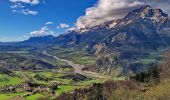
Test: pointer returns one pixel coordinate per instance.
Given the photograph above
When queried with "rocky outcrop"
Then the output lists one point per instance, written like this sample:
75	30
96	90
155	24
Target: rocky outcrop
107	63
99	49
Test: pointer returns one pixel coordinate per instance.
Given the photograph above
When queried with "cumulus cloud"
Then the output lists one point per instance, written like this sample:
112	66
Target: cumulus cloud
17	5
107	10
42	32
71	29
33	2
22	6
29	12
26	12
63	26
49	23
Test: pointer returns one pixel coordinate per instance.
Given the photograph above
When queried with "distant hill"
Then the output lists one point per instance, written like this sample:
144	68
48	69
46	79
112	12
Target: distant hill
22	62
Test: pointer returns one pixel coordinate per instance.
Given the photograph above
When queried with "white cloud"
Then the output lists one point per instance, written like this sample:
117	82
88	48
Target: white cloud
21	6
107	10
26	12
63	26
71	29
29	12
26	36
42	32
17	5
49	23
32	2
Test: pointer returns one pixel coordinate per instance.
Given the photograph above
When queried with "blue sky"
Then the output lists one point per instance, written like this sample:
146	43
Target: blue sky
16	26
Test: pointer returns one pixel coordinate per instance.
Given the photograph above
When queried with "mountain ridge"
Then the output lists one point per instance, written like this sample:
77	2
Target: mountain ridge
138	32
120	42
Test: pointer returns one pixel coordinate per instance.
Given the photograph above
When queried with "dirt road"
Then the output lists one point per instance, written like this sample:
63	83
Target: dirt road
77	67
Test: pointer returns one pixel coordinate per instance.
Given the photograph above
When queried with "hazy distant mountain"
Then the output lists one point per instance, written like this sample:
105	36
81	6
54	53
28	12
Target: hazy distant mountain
41	39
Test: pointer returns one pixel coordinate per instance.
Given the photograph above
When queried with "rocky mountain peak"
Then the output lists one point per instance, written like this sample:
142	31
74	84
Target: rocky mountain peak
147	12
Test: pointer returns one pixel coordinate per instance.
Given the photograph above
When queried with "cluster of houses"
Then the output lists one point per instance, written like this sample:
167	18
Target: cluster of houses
29	87
4	89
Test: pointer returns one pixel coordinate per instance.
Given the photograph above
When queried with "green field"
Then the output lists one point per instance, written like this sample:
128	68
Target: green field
9	80
65	89
78	57
10	95
34	97
66	85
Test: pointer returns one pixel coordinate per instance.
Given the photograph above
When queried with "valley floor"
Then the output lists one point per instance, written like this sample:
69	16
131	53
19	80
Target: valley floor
66	80
48	74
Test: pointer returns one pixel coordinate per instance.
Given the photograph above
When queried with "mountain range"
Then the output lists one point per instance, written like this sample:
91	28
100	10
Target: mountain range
121	45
